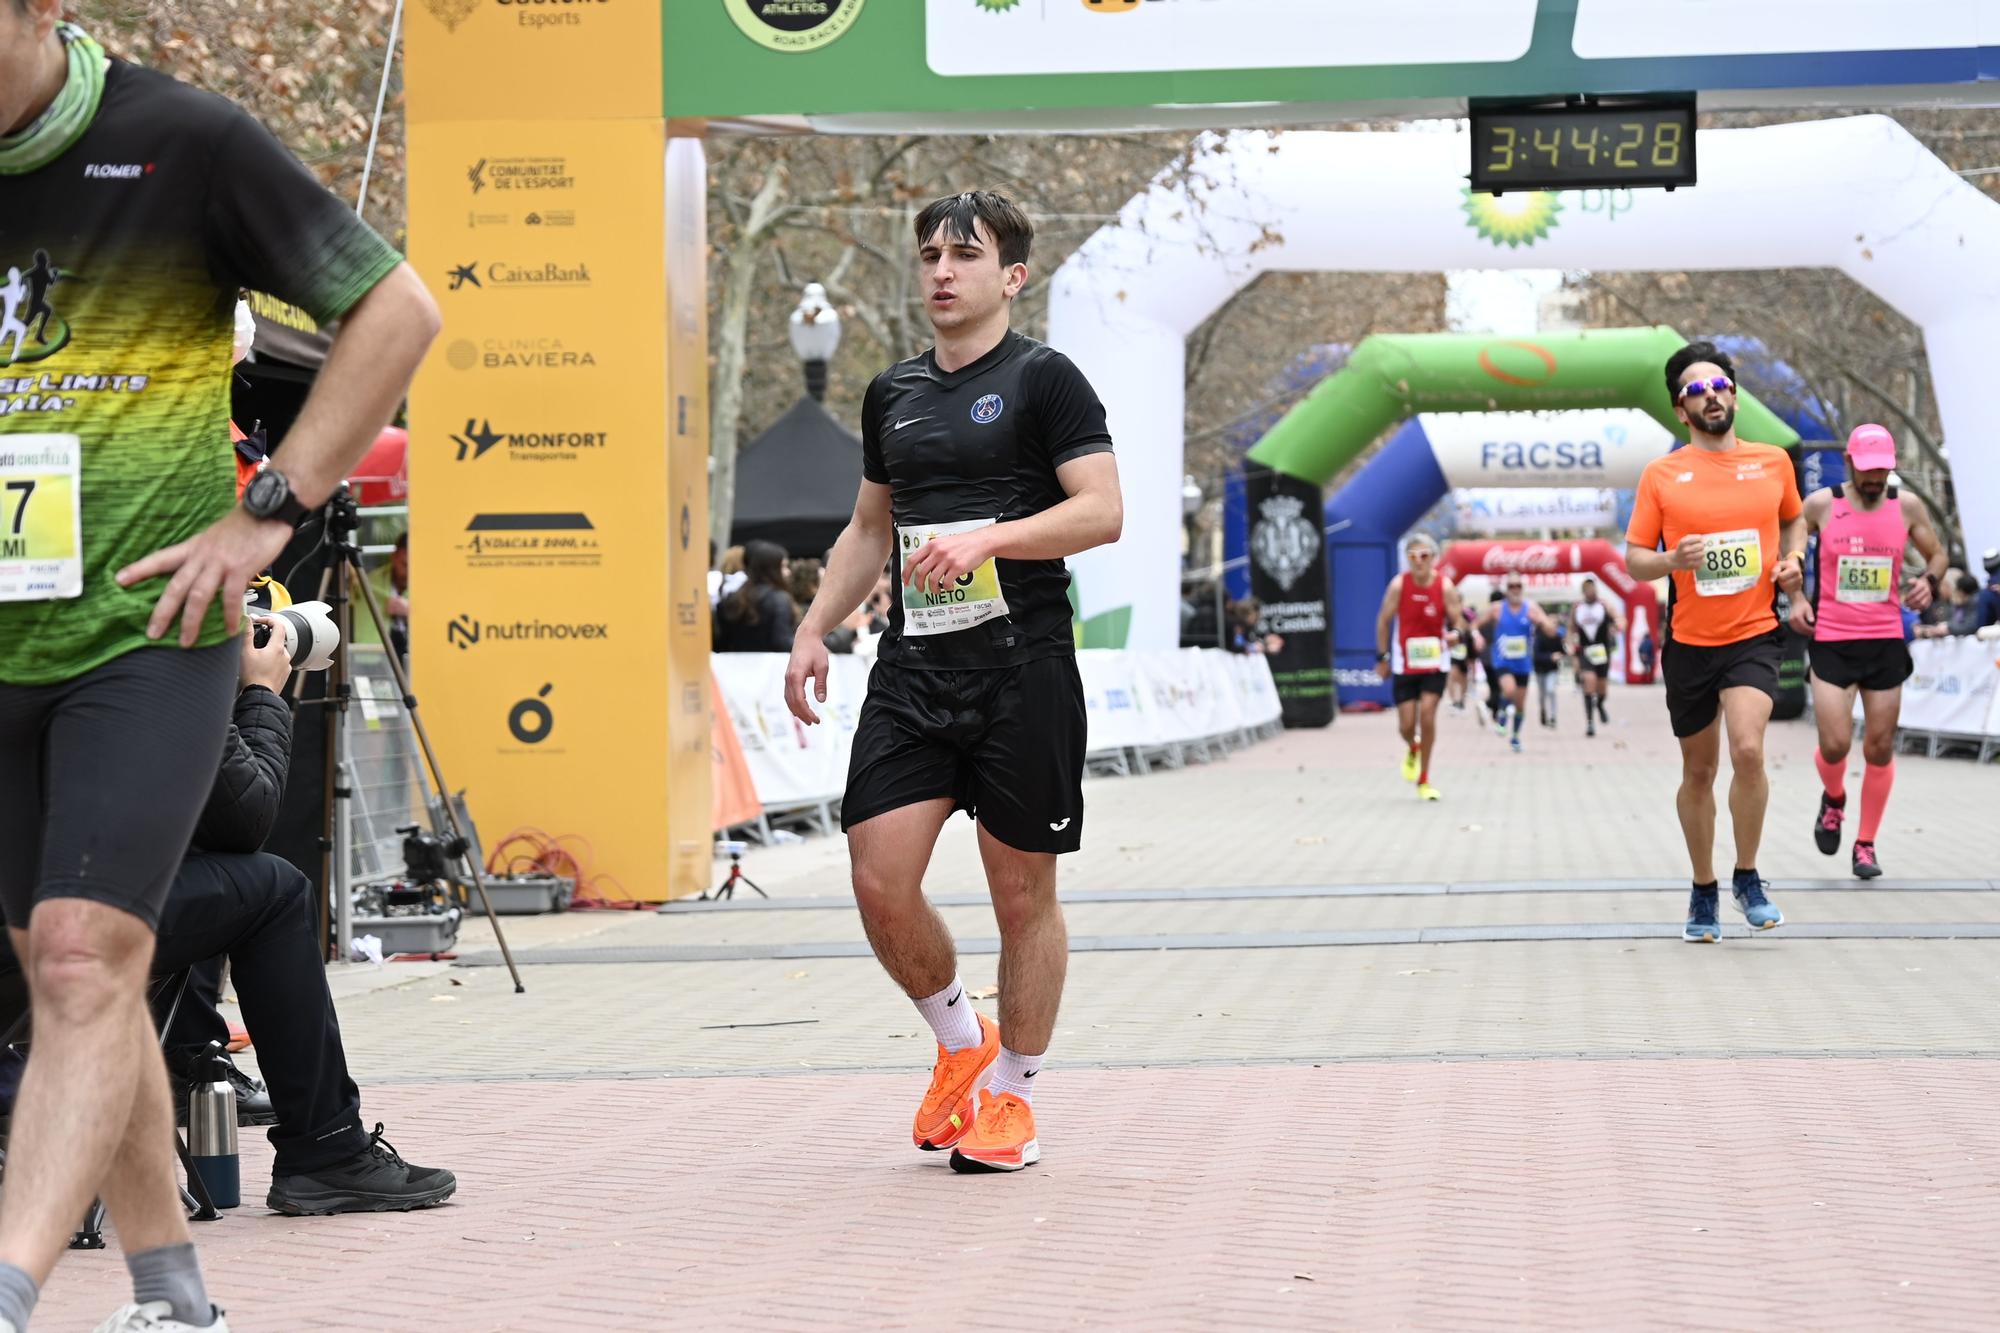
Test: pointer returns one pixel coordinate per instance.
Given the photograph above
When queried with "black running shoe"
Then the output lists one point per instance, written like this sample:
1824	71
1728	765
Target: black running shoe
1865	864
1826	829
375	1180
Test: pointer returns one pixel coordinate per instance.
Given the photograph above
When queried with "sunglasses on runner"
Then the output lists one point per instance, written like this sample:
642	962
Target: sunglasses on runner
1696	388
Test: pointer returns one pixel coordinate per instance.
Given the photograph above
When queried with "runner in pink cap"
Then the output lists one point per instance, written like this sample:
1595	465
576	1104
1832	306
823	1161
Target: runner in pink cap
1855	621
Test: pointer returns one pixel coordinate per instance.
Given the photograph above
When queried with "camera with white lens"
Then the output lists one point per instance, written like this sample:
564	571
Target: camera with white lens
310	634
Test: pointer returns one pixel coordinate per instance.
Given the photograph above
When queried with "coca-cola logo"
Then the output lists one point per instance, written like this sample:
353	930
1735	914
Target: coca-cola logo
1539	558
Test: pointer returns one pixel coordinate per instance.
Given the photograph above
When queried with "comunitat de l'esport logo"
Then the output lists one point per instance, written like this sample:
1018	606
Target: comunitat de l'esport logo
30	327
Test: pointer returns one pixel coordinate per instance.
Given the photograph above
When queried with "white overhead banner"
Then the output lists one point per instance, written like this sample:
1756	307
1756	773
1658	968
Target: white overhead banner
1495	510
1597	448
1858	194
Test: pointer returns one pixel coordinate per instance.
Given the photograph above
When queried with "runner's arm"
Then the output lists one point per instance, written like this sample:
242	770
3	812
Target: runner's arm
1093	515
1790	574
1923	536
857	560
1387	614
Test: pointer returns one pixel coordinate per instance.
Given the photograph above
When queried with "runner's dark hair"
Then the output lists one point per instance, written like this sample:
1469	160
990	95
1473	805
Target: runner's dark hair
1693	354
763	567
1013	235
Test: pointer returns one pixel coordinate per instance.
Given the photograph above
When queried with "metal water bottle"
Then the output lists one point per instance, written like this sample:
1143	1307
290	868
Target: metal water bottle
212	1129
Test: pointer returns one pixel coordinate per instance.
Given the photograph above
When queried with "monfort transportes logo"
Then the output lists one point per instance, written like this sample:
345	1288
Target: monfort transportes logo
1513	220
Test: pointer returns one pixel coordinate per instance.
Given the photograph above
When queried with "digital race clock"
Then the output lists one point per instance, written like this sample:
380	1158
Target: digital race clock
1576	144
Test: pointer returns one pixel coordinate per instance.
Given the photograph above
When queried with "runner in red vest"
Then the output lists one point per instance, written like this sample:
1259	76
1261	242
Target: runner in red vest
1856	624
1421	603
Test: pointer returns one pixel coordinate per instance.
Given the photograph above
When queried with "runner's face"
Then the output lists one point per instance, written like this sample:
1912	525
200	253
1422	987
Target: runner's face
1514	594
1871	484
963	282
25	41
1590	592
1710	413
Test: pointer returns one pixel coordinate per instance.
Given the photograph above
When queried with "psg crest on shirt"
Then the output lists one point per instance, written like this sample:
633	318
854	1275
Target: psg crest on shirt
987	409
1282	540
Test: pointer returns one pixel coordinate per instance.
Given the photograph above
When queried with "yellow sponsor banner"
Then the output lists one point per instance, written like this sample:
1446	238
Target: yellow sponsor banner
547	533
691	775
573	59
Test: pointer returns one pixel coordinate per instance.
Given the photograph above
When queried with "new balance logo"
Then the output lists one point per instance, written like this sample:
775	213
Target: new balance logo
1060	827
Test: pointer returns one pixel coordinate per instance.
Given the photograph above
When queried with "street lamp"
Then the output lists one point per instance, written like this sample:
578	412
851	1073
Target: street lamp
815	335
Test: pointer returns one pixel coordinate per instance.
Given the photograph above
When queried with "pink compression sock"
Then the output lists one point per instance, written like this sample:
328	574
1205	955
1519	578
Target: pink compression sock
1833	776
1876	780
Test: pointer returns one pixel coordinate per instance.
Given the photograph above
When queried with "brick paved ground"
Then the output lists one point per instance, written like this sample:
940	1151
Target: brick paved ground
1780	1132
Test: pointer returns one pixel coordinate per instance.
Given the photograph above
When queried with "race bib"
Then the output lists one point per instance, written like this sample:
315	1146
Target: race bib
973	599
41	518
1731	562
1513	647
1596	654
1460	651
1425	654
1863	578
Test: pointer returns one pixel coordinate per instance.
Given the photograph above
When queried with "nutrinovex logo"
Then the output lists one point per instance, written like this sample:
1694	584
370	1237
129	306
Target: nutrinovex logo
465	633
1513	220
794	25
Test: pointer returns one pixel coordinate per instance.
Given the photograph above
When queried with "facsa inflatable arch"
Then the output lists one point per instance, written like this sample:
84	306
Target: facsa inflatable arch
1858	194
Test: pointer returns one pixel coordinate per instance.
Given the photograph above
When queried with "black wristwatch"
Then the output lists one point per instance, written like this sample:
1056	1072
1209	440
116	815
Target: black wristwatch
269	495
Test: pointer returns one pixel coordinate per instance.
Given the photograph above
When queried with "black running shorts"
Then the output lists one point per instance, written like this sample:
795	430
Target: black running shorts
1004	744
1696	675
1873	664
103	776
1410	686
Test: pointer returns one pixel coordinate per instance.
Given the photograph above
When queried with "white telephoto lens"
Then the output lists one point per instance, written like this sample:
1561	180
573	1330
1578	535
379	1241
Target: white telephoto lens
310	635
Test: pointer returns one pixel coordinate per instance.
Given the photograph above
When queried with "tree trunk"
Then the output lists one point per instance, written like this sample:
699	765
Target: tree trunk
731	354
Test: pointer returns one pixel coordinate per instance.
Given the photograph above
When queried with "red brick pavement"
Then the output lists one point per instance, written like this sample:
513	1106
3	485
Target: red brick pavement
1588	1194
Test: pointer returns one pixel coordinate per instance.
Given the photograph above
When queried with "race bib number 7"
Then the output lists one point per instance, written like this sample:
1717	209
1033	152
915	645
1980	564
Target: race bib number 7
972	599
1731	562
41	518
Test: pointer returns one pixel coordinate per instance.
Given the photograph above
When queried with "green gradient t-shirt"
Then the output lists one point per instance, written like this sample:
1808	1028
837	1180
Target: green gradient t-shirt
120	264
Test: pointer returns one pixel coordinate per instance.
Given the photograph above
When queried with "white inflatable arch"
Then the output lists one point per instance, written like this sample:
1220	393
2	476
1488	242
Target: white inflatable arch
1859	194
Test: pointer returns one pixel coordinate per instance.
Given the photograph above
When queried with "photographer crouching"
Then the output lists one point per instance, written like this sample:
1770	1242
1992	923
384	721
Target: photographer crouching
231	899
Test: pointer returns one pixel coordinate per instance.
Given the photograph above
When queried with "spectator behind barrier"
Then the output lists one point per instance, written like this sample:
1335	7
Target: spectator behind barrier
759	616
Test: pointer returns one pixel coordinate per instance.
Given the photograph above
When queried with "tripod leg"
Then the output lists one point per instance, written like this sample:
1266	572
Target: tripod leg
753	884
437	772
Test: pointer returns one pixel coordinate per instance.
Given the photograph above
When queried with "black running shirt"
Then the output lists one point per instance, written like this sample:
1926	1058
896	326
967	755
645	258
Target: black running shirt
971	445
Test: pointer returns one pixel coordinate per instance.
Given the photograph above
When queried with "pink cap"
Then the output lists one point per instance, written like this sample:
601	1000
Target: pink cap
1871	447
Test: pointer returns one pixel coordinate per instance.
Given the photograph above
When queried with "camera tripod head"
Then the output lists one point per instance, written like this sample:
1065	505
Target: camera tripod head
343	520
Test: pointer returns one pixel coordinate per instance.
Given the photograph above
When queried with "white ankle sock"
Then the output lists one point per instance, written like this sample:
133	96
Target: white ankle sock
951	1017
1015	1073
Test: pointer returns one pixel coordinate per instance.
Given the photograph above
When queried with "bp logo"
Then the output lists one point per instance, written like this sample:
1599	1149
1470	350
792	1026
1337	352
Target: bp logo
793	25
1513	220
987	409
1283	539
995	6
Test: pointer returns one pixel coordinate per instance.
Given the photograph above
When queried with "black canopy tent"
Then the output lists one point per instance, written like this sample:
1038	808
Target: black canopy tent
796	482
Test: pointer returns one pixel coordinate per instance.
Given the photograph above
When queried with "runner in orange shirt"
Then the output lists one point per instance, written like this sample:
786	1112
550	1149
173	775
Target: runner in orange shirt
1722	518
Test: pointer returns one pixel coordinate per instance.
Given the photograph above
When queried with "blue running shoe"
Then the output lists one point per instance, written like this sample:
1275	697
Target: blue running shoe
1702	925
1515	745
1759	911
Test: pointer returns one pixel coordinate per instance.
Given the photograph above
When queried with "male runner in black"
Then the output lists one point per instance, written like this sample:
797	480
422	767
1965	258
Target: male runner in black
985	461
41	276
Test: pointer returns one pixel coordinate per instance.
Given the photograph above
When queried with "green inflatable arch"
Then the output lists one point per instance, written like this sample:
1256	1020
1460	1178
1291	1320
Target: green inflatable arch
1391	377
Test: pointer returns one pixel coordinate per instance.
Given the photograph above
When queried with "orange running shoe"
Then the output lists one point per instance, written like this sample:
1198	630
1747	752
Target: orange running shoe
1002	1139
946	1115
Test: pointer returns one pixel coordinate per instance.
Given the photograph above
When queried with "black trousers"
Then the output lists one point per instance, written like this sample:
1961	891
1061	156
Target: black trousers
258	911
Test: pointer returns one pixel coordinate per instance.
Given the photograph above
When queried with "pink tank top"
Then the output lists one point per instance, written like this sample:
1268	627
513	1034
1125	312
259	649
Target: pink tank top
1860	570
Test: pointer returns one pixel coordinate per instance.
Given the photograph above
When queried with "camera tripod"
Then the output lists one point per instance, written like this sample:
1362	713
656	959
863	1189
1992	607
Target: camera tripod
343	571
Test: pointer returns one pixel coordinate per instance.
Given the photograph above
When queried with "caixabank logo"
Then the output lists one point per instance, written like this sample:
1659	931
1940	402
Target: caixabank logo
794	25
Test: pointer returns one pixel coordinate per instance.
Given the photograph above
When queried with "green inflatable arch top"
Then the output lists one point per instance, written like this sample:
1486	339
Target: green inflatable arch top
1392	377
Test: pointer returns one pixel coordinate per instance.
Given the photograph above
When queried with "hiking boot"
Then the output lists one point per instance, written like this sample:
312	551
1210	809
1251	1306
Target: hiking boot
253	1099
374	1180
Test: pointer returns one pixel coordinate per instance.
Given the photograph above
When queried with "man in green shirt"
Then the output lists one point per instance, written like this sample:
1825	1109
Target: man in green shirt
132	209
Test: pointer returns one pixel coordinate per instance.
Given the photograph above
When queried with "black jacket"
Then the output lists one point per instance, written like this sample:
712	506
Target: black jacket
243	803
772	633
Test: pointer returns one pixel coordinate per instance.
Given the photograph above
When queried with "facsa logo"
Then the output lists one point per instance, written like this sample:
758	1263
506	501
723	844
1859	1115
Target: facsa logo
1541	455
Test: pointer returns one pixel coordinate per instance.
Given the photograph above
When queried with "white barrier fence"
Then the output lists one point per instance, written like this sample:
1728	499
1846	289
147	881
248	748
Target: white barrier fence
1145	708
1952	699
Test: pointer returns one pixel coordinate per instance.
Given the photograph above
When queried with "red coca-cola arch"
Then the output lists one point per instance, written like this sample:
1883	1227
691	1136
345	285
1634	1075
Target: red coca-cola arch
1591	556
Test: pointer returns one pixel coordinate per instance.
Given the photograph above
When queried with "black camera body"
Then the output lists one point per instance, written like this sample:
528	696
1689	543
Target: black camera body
428	858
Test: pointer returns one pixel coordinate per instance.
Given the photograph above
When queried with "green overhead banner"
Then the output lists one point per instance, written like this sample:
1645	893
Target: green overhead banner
1392	377
930	64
